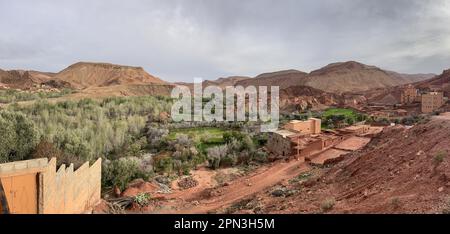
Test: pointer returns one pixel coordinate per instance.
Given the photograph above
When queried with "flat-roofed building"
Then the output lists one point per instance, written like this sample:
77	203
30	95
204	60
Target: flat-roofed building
432	101
409	95
282	142
310	126
297	138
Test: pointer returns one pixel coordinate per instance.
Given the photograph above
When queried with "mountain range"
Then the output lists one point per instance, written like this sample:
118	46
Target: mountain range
336	78
102	79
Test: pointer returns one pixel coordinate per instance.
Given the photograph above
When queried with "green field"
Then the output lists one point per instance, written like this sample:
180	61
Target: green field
333	116
340	111
204	137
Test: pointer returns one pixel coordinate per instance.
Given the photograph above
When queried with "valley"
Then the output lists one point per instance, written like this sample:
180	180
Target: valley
355	163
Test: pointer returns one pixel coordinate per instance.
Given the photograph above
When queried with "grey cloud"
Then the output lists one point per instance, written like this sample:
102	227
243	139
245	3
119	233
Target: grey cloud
181	39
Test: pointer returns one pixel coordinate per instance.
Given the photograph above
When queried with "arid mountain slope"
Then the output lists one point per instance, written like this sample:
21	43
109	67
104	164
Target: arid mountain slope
391	95
401	171
439	82
19	79
411	78
83	75
283	79
298	98
221	82
336	78
230	81
350	77
41	77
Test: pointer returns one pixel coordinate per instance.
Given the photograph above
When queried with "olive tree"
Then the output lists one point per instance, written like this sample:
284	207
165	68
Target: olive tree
18	136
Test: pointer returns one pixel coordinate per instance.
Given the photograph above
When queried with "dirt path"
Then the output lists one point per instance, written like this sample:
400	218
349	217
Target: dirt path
205	179
443	116
241	188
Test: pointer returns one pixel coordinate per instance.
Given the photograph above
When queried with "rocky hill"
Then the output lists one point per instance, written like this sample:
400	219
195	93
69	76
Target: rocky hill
230	81
441	82
337	78
403	170
84	75
283	79
19	79
391	95
350	77
411	78
299	98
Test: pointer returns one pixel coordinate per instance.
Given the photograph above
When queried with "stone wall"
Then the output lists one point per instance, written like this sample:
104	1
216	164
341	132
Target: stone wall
279	145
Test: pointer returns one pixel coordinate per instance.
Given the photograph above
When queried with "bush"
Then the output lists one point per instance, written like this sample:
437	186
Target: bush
327	205
156	137
164	164
395	202
439	157
247	143
260	157
18	138
90	129
142	199
215	155
122	171
227	161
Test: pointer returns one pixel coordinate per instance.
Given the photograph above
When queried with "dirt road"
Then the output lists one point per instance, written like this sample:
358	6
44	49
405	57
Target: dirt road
246	186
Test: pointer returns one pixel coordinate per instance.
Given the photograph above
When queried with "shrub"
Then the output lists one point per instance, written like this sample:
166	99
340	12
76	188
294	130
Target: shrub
327	205
122	171
439	157
156	137
247	143
215	155
89	129
260	157
228	161
164	164
18	138
395	202
142	199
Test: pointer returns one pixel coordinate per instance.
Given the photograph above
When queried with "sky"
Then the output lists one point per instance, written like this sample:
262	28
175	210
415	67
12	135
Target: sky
178	40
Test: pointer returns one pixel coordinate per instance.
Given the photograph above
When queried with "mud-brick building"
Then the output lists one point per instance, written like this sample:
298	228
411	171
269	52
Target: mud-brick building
310	126
298	138
409	95
432	101
283	142
38	187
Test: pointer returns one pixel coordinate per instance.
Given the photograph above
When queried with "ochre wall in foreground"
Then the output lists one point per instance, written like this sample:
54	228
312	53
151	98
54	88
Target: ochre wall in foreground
70	192
53	192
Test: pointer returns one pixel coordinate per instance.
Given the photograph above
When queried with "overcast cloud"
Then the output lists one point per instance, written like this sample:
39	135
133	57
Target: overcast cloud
179	40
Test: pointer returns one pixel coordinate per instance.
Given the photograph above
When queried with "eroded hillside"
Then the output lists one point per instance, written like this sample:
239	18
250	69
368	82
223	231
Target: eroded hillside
403	170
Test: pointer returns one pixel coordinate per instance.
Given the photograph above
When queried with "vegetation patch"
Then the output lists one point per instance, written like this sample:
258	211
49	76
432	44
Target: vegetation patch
339	117
302	177
327	205
142	199
11	95
439	157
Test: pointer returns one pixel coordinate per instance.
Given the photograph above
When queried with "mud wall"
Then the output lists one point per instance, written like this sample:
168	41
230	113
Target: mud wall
311	148
66	191
279	145
35	186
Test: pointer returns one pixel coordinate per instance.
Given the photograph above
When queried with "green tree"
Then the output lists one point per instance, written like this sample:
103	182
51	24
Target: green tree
19	136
